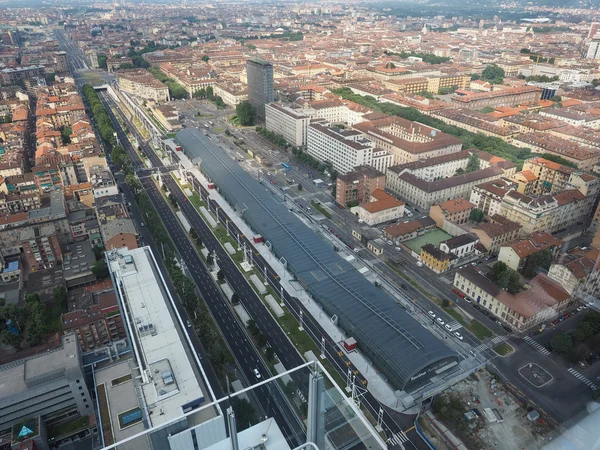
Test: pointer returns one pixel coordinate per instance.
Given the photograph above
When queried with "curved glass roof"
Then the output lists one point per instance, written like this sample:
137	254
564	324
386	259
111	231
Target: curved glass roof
398	345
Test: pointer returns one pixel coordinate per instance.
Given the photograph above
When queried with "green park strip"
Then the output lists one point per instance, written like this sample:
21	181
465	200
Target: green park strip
480	331
321	209
68	428
503	349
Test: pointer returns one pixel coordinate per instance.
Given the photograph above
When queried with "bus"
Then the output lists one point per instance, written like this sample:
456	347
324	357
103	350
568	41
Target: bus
285	166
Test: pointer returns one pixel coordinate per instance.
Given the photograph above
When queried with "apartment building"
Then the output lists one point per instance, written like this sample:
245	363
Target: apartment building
456	211
571	116
551	212
424	194
168	117
141	83
292	124
514	254
437	167
47	385
423	104
543	298
496	232
357	186
476	122
380	208
488	196
578	273
408	141
550	177
335	111
585	157
502	97
231	94
93	317
436	259
345	149
260	84
14	74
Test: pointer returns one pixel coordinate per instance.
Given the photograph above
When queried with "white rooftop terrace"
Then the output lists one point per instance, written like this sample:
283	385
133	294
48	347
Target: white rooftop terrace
169	378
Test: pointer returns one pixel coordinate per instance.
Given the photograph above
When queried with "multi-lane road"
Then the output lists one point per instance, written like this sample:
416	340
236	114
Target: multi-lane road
277	338
272	401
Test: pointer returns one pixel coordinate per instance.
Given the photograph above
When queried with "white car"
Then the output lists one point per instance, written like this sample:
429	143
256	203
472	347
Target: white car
419	264
189	324
142	224
458	335
398	249
440	321
389	242
431	313
448	327
256	374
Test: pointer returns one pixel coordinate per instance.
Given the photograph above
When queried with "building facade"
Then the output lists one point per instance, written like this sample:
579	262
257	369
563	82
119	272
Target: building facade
260	84
49	384
288	122
357	186
344	149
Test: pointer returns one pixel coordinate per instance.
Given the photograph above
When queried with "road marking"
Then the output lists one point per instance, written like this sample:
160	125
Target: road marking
585	380
539	347
481	347
409	430
499	339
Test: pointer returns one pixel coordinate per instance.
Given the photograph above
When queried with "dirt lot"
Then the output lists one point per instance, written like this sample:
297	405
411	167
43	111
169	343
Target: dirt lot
515	432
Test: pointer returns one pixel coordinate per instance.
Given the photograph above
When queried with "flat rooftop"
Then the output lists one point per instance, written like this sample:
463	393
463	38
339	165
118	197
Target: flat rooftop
173	382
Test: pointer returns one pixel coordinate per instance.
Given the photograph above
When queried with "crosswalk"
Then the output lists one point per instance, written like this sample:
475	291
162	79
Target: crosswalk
398	439
480	348
539	347
499	339
585	380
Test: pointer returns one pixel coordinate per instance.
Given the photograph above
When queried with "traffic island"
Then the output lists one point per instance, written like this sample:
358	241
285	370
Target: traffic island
503	349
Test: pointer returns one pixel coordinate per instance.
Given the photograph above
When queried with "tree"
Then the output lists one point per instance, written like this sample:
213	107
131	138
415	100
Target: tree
562	343
445	303
100	269
220	276
497	269
198	241
59	297
536	261
209	260
493	74
269	353
11	339
173	200
235	299
299	187
32	298
246	113
205	58
244	413
390	65
477	215
261	340
102	61
473	164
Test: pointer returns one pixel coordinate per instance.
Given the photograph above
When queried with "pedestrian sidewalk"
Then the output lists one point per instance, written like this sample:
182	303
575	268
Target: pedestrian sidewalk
444	432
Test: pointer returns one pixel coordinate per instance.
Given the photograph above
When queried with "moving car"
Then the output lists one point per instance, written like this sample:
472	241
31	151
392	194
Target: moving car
431	313
405	287
189	324
142	224
448	327
458	335
440	321
256	374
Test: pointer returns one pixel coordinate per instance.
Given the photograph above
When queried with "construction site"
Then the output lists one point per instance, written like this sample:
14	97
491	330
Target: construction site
479	413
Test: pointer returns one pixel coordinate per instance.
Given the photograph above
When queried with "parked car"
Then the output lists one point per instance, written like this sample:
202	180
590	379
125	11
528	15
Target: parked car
555	322
431	313
507	328
189	324
440	321
567	315
419	264
448	327
405	287
458	335
581	365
